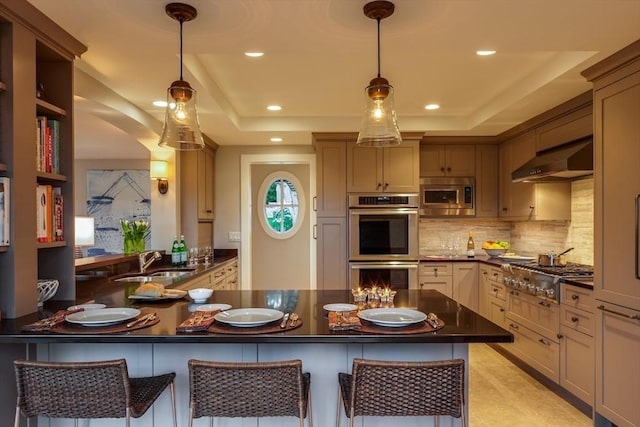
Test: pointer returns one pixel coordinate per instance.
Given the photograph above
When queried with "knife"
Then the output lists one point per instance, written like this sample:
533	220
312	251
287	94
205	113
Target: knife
283	324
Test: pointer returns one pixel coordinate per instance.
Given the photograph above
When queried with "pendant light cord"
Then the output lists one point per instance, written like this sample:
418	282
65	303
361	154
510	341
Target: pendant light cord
378	19
181	22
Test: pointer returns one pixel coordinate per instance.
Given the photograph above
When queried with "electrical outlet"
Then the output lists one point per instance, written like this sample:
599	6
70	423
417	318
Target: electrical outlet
234	236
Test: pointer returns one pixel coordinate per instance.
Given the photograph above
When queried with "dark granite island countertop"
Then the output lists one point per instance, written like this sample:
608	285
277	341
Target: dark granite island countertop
461	324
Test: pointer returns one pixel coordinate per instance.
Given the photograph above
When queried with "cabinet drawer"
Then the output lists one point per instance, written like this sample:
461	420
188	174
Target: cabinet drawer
431	269
497	290
536	350
536	314
200	282
579	320
577	297
218	275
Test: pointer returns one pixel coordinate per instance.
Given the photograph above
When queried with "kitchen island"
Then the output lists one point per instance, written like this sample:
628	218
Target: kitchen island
159	348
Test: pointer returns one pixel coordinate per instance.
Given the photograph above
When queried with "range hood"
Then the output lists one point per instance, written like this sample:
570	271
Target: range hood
561	163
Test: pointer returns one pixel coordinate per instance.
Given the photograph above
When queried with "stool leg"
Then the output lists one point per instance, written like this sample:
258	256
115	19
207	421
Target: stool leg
436	421
309	411
339	407
16	422
172	389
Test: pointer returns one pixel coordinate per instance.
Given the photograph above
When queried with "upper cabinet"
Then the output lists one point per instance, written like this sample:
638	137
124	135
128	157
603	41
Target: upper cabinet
526	200
331	178
571	127
206	165
487	168
390	169
36	149
447	160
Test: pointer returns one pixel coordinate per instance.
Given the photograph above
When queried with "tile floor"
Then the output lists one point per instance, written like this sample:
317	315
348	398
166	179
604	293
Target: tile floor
501	394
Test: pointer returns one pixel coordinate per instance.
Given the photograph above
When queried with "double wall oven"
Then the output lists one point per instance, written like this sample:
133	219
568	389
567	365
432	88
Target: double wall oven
383	240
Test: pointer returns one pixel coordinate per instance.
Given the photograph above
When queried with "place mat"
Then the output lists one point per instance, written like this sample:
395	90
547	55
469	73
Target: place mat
198	321
344	321
416	328
45	325
72	328
270	328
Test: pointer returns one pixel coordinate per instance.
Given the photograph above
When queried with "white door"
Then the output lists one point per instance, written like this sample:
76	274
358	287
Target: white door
278	251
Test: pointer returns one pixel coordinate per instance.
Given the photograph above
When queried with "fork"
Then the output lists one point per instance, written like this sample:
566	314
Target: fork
294	319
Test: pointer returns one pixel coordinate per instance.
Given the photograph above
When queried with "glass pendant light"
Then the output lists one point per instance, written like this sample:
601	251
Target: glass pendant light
181	130
379	127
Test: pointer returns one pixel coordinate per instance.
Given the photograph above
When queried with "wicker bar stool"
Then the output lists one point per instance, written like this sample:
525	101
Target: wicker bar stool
389	388
247	390
86	390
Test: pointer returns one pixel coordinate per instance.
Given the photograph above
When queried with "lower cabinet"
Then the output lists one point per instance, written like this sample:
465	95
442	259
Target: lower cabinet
436	276
222	278
331	251
536	350
465	284
232	275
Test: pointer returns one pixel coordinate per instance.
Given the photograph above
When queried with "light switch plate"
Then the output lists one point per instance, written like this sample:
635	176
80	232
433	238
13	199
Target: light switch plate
234	236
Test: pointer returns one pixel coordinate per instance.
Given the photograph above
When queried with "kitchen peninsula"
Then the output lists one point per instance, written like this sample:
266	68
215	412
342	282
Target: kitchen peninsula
324	353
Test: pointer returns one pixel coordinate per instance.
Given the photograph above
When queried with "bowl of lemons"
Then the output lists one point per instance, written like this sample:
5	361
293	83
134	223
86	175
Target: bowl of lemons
495	248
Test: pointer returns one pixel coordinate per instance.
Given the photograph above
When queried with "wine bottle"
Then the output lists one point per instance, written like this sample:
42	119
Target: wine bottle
471	246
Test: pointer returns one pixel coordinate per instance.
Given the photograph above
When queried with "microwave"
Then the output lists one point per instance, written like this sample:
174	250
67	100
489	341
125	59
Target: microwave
447	196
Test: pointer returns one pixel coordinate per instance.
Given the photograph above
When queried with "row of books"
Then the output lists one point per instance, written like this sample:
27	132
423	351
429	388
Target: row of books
48	145
50	214
5	217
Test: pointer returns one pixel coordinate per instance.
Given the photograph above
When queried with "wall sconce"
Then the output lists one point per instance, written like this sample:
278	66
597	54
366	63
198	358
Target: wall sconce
159	169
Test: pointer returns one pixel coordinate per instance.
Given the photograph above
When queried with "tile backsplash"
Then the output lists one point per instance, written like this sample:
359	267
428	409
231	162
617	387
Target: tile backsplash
526	237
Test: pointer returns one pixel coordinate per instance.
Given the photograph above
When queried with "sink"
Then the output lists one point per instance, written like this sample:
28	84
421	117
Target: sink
139	279
170	273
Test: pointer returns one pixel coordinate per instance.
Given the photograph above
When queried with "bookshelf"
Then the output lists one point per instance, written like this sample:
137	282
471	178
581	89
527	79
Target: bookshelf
34	51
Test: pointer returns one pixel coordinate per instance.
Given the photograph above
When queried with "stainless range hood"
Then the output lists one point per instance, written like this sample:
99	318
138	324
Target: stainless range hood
564	162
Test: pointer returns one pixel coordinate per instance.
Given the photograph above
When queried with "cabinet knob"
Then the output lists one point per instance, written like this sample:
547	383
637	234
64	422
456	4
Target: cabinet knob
560	336
574	319
448	169
379	185
531	207
501	310
575	297
442	169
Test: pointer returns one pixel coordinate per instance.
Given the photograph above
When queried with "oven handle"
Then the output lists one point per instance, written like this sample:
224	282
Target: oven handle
387	211
386	264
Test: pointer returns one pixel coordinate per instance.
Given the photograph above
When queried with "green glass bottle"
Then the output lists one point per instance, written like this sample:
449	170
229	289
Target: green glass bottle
175	252
184	252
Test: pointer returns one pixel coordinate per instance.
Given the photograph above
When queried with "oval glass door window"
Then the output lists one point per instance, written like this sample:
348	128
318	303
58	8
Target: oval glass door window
281	202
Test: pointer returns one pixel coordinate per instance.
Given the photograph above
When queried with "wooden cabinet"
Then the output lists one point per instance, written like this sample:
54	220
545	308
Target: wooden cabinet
332	268
570	127
438	276
536	350
465	284
616	108
577	364
196	195
390	169
447	160
30	56
330	204
487	172
489	278
549	201
231	277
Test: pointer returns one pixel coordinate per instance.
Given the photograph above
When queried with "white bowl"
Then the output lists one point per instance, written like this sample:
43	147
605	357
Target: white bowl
200	295
493	253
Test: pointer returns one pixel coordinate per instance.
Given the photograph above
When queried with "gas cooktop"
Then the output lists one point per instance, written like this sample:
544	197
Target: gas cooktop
570	270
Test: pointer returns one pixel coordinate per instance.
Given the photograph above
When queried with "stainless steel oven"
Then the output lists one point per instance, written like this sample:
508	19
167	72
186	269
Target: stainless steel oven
383	227
392	274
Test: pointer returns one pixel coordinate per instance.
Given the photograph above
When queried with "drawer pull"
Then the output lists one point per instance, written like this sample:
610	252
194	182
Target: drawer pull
511	325
545	304
545	342
628	316
575	297
574	319
494	290
501	310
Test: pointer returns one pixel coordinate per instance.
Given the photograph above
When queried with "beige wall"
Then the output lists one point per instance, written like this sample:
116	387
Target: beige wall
227	187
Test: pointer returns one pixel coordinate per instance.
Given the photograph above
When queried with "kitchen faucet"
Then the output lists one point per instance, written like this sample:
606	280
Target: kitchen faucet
144	262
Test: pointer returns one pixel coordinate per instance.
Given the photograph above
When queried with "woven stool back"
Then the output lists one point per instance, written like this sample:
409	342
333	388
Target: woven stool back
264	389
73	390
389	388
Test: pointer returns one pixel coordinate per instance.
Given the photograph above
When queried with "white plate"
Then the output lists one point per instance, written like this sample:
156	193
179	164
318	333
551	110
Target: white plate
392	317
515	258
103	317
167	294
213	307
86	307
248	317
340	307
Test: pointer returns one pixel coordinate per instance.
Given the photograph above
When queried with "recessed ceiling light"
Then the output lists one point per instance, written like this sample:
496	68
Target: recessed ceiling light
431	107
276	139
254	54
160	103
485	52
274	108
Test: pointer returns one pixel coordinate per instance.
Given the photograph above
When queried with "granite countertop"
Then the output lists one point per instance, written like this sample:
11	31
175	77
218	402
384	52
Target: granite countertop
461	324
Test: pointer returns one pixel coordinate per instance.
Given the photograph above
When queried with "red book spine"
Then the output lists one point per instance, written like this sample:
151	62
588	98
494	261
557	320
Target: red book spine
59	215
